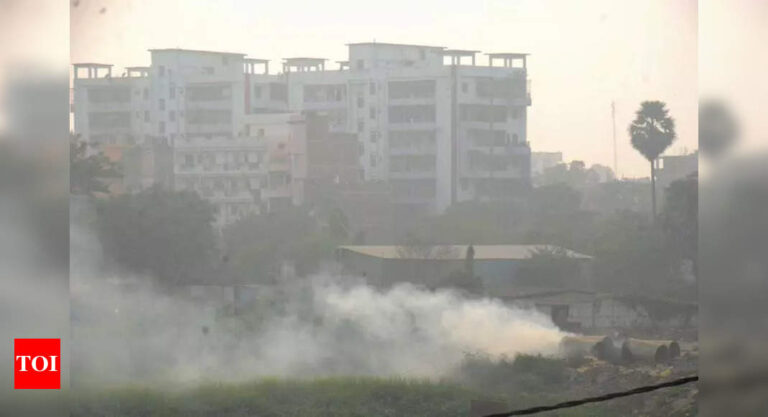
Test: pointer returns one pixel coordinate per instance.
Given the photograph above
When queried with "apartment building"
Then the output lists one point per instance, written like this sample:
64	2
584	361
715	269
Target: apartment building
261	170
181	122
431	123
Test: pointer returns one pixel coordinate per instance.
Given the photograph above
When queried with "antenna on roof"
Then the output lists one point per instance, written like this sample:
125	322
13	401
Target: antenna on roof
615	158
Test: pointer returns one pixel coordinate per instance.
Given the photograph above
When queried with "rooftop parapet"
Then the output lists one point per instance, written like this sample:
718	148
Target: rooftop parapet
303	64
250	64
92	70
509	59
457	54
136	72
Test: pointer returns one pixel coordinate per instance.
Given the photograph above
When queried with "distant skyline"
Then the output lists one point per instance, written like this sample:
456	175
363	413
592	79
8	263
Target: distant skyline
584	54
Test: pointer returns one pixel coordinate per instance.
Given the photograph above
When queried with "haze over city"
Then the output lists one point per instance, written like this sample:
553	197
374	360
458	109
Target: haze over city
584	55
384	208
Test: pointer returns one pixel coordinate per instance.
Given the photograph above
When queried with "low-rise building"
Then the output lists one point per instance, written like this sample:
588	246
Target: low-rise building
258	171
496	268
670	168
540	161
584	310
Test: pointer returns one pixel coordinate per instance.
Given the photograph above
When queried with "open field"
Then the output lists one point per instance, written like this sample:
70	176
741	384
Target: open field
523	382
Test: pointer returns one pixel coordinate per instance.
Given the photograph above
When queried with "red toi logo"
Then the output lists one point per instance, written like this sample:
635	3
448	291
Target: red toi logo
37	364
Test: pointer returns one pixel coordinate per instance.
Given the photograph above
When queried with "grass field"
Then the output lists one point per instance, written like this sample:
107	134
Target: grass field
525	381
347	397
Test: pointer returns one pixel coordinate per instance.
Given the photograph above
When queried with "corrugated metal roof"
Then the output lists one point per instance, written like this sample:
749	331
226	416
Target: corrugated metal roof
454	252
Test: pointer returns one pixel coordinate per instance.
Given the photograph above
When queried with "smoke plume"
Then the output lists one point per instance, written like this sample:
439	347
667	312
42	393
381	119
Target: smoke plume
123	330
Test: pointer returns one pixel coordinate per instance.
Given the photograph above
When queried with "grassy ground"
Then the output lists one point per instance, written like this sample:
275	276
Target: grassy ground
523	382
350	397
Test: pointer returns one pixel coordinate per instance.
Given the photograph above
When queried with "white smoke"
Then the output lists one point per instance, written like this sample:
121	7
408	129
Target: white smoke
123	330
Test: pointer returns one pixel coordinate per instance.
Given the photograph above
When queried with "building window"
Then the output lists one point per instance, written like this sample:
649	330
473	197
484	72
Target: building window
360	126
146	93
372	88
464	87
225	60
360	102
260	132
515	138
360	64
172	116
162	127
162	104
257	91
372	113
172	91
422	54
208	70
373	160
161	71
146	115
374	136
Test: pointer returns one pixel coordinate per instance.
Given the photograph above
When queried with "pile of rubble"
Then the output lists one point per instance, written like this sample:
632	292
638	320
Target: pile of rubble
609	364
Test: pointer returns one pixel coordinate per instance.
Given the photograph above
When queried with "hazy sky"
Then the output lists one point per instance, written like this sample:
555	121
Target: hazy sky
734	63
584	54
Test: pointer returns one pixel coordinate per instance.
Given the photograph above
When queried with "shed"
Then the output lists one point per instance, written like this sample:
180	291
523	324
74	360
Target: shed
495	266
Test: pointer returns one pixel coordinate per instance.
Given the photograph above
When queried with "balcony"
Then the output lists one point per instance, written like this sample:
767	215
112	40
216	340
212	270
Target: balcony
413	149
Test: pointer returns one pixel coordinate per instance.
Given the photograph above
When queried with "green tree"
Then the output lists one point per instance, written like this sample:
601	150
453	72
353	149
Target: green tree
338	224
630	255
162	233
652	131
258	246
680	218
88	173
549	266
575	174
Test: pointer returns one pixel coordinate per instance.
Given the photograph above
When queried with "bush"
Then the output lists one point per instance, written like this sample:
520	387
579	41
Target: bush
525	373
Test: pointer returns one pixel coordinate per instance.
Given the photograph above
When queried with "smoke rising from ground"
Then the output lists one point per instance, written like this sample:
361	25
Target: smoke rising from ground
123	330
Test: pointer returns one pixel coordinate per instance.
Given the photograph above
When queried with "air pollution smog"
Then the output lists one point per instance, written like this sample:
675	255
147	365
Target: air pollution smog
125	331
383	209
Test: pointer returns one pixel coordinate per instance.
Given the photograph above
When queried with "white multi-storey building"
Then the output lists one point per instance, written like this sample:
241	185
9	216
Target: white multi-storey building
186	113
430	121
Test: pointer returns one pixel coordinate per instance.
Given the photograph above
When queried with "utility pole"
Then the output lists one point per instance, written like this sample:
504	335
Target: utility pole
615	158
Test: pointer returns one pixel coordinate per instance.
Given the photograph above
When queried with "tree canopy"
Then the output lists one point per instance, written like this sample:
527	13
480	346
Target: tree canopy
88	173
653	129
165	234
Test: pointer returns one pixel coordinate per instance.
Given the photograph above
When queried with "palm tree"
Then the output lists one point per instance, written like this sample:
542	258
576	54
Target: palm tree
652	131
